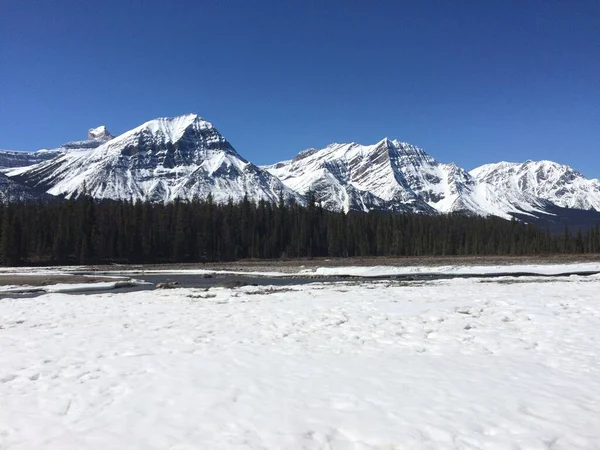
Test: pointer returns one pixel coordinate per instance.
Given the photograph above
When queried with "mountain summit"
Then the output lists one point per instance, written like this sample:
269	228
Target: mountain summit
99	133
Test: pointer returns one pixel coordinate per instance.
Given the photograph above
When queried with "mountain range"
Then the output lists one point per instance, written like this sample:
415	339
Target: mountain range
186	158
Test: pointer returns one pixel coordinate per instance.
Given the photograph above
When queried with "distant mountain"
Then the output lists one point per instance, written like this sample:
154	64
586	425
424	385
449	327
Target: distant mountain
162	160
396	176
546	180
393	176
356	177
186	158
11	159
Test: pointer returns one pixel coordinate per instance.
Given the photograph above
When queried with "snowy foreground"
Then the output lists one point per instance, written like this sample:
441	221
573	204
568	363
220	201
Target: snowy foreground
462	364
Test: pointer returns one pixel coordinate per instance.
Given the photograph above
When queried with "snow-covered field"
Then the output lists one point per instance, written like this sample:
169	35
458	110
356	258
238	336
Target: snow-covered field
465	364
301	271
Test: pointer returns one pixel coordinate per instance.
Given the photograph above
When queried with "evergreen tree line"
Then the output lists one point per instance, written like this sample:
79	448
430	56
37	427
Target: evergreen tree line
86	231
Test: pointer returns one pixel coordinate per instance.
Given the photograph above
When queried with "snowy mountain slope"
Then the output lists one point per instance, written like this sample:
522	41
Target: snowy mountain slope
11	191
545	180
96	137
11	158
396	176
162	160
354	177
389	175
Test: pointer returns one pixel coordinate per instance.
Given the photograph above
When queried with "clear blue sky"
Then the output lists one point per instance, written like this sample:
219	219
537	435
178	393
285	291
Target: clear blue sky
469	81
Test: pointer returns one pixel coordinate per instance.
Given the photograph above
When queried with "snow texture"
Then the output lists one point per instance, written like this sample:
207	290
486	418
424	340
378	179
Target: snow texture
461	364
73	287
376	271
362	271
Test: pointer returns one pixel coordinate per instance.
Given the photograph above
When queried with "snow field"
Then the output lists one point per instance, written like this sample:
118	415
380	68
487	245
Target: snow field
377	271
73	287
454	364
356	271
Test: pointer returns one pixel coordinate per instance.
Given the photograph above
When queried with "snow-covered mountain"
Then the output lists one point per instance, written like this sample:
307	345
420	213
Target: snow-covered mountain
357	177
389	175
10	159
397	176
162	160
11	191
545	180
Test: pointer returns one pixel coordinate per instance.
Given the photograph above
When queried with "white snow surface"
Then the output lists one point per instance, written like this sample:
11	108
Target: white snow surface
357	271
462	364
535	269
72	287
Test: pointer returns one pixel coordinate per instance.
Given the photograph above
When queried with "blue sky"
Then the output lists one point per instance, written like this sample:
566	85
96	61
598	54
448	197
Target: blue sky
469	81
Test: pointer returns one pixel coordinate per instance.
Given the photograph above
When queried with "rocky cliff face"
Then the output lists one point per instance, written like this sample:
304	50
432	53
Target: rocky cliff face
11	159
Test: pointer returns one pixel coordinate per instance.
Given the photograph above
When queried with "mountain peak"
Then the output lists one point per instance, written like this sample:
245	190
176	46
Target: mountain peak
100	132
190	131
173	127
385	141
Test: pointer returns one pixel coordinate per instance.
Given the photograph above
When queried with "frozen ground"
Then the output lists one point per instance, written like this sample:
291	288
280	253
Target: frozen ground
458	364
71	287
376	271
400	267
